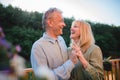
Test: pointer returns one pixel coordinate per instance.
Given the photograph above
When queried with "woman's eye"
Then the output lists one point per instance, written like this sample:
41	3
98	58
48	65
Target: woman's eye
75	26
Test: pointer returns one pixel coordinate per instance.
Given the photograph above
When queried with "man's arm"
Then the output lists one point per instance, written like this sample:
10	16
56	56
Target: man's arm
38	58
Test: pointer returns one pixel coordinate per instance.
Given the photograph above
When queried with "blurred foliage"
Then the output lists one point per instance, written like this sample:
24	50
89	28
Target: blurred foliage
25	37
24	28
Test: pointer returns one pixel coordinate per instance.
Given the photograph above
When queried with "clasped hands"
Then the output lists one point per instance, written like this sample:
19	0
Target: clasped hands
76	53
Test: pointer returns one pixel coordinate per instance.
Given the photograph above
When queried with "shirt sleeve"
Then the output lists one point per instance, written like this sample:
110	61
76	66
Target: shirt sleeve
38	57
63	72
95	66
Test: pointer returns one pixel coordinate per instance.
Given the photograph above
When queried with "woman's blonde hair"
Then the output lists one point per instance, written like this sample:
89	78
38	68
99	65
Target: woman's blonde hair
86	35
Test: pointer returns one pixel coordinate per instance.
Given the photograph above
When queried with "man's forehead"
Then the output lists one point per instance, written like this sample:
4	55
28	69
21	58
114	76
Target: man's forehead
58	15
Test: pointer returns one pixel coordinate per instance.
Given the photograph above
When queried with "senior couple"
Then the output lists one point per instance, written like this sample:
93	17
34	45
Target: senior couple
81	61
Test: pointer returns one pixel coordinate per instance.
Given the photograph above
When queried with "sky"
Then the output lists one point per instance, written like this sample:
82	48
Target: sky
102	11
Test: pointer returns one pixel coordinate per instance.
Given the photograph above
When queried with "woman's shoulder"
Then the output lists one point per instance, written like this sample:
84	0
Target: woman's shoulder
94	46
96	49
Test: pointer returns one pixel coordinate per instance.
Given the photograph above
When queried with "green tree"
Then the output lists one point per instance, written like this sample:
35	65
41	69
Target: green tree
25	37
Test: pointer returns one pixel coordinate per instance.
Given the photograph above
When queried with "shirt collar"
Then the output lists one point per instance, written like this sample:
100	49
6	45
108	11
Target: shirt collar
49	38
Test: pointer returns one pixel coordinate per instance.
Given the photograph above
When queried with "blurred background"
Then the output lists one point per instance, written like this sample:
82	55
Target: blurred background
21	22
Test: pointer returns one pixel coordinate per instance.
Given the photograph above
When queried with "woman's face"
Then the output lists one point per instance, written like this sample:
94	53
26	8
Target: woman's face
75	31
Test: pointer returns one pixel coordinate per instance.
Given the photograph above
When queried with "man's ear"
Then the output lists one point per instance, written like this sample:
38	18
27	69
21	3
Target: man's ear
49	23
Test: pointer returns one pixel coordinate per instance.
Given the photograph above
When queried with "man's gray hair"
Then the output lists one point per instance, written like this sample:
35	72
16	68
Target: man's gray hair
47	15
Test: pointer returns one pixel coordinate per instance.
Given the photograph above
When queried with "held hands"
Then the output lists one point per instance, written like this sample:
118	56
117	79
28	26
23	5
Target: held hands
77	51
73	57
75	54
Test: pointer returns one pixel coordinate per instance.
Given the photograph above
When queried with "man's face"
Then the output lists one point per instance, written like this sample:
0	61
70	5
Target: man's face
58	24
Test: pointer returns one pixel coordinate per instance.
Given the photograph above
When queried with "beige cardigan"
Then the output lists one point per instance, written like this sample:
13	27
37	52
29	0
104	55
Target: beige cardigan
95	67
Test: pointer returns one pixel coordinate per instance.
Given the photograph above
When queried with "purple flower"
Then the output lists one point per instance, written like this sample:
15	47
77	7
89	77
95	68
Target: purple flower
18	48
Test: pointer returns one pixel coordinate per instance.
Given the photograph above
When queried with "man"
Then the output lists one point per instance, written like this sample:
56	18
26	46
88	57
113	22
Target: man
50	50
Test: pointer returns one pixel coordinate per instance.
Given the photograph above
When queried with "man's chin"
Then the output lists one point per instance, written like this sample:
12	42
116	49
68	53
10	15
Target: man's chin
61	33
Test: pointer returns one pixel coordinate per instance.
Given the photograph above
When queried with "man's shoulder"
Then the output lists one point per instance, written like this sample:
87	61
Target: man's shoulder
60	38
39	41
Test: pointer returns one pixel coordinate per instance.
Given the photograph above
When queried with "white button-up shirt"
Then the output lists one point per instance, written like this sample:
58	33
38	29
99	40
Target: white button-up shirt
52	53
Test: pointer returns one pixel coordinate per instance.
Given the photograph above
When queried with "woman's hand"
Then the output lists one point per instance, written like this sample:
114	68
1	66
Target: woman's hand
73	57
77	49
79	54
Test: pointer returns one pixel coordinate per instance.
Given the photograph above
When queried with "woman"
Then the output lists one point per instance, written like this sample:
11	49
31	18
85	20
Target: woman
89	55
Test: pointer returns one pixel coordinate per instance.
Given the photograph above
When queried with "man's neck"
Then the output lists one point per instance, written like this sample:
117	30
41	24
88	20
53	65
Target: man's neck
52	35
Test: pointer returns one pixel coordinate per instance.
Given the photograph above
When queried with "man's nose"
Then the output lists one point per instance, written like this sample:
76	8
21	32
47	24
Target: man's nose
64	24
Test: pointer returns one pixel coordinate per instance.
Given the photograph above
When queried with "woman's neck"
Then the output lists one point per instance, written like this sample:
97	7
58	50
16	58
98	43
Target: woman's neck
76	41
